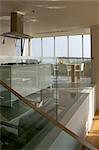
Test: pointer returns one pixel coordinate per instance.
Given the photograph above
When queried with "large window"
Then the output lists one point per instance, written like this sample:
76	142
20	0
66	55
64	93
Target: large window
18	47
36	47
61	46
75	46
26	47
48	47
86	46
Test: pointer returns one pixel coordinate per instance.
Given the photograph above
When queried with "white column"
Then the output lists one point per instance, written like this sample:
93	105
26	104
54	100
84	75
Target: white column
95	55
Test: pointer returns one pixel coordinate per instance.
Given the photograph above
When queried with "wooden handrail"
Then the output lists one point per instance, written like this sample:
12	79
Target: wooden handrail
51	119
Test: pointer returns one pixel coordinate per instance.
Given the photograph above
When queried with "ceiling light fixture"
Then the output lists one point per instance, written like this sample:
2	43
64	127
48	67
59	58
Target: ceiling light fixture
56	7
39	5
34	20
50	7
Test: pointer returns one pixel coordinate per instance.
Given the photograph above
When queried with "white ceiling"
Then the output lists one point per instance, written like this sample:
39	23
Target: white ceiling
52	17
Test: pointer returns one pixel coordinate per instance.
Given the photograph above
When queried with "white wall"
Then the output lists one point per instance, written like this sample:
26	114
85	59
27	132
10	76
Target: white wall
95	55
80	123
8	48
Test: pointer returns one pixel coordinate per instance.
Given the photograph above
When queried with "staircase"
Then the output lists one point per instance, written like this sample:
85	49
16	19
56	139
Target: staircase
93	135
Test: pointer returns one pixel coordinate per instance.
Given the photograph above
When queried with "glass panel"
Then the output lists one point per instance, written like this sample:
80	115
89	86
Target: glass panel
80	68
75	46
29	79
86	72
18	51
48	47
67	87
48	60
53	85
21	127
67	76
18	42
5	97
87	46
18	47
26	47
36	47
61	46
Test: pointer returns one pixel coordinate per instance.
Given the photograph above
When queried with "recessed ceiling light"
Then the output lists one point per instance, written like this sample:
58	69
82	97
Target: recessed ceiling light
34	20
56	7
39	5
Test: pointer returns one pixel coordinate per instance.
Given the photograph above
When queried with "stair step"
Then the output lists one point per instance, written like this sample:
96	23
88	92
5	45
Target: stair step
93	134
96	118
94	131
94	140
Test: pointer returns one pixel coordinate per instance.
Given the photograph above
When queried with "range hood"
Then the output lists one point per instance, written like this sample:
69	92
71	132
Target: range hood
16	27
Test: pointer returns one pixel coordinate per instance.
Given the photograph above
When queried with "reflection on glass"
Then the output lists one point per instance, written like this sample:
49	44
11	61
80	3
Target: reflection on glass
21	127
75	46
26	48
61	46
48	47
87	46
49	88
18	42
18	47
36	47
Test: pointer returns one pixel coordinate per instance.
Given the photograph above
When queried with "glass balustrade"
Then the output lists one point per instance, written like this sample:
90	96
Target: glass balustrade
23	126
70	76
55	85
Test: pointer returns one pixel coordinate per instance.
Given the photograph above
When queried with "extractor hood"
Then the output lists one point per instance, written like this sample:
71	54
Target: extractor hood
16	27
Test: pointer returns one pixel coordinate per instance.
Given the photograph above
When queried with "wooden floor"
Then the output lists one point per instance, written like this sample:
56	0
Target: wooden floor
93	135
